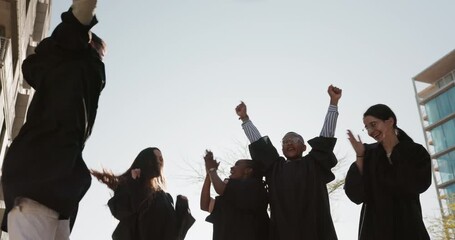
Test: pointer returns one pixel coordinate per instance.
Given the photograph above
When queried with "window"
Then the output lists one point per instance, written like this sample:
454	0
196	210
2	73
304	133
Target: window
445	80
441	106
446	164
444	136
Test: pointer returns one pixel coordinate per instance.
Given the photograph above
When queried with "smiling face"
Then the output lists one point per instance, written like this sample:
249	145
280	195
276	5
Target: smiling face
293	146
378	129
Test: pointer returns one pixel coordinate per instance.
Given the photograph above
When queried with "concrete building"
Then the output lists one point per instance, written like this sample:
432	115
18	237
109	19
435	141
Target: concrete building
23	24
435	95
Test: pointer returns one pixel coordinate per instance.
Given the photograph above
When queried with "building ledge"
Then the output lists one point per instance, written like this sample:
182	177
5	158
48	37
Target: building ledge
438	69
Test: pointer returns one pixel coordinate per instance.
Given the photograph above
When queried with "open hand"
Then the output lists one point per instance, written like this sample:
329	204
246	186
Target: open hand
210	162
359	149
356	144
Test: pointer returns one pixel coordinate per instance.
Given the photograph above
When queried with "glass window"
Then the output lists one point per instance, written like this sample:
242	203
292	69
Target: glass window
441	106
446	164
445	80
444	136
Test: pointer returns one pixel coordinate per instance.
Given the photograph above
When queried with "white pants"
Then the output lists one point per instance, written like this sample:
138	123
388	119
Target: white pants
30	220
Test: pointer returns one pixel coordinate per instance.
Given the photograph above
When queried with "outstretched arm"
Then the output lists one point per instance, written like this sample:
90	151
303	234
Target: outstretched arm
207	202
250	130
212	166
330	122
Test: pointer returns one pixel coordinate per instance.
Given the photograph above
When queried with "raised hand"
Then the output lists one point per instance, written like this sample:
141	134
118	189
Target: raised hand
210	162
241	111
359	149
335	94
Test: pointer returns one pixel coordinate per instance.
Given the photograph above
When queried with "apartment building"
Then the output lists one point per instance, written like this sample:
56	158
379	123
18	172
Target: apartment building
435	95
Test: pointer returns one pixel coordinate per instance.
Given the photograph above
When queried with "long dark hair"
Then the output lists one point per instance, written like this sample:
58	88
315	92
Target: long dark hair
151	172
383	112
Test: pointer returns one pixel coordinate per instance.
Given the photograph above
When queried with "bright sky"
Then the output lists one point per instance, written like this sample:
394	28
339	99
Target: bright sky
176	70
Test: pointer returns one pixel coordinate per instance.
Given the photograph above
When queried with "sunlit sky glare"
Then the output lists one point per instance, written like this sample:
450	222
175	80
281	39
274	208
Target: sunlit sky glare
177	69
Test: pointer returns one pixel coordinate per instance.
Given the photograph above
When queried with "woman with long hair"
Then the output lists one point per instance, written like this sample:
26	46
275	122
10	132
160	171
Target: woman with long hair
387	178
144	209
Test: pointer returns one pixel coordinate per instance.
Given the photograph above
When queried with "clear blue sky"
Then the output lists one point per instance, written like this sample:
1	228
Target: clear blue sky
176	70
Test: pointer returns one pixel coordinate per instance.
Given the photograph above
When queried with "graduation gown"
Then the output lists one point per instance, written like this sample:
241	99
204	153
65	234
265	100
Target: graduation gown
141	216
241	212
389	192
298	195
44	162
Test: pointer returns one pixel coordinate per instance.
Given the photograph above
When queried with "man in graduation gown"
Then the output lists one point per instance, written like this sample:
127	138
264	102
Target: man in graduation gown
299	201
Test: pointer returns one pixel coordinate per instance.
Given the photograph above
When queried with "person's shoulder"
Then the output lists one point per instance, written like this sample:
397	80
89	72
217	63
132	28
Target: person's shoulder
410	146
168	196
163	194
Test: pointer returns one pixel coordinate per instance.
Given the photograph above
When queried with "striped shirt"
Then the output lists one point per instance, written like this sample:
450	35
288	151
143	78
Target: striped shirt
328	129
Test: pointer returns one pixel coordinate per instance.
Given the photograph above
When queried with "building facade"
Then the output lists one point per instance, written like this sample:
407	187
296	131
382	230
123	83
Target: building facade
435	95
23	24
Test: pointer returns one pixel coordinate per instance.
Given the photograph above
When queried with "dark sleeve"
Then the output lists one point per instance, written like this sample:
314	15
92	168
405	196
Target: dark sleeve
70	34
354	185
126	200
184	218
411	169
263	152
69	38
322	153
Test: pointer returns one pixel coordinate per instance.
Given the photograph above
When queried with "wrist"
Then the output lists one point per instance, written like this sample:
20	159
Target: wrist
210	170
244	118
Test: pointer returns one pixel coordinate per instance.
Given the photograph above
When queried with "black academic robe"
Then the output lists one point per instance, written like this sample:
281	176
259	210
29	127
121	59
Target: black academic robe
142	216
298	195
44	162
241	212
389	193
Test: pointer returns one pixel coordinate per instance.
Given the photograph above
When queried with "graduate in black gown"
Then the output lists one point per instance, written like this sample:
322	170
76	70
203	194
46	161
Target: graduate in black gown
387	178
240	210
144	209
298	196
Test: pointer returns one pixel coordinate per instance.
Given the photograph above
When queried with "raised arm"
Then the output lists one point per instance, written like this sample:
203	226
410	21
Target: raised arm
207	201
84	10
328	129
251	132
212	166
